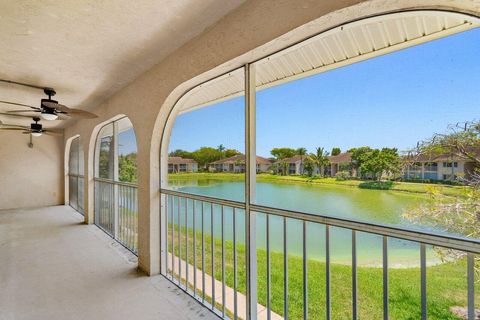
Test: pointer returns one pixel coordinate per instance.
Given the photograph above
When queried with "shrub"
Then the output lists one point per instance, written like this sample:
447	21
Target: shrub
376	185
343	175
446	182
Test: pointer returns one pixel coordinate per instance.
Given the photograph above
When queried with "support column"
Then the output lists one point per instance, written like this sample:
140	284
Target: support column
115	178
150	209
89	155
250	180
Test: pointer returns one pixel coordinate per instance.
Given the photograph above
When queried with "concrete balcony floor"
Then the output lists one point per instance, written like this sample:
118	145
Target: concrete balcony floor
54	267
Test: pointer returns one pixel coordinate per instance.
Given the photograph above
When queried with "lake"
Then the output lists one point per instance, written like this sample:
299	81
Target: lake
378	206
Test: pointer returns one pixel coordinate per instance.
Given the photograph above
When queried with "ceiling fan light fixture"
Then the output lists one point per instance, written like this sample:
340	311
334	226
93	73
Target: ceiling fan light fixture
49	116
36	134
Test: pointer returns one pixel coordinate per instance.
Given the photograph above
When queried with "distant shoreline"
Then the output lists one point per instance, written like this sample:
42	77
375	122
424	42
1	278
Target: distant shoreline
407	187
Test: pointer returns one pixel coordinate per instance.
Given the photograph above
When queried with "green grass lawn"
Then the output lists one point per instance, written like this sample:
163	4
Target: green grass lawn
264	177
446	284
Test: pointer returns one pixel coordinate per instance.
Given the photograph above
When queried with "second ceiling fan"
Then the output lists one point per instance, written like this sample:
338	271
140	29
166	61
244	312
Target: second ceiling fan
35	129
49	109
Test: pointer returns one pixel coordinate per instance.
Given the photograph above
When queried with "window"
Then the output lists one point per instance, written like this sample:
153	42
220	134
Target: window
75	175
449	177
430	176
209	135
105	154
450	164
116	199
431	166
127	152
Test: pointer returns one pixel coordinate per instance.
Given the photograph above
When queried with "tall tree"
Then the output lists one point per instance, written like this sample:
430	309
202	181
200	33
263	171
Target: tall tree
376	162
336	151
391	161
455	215
462	140
127	167
181	153
359	156
282	153
309	166
221	149
301	152
231	152
320	159
206	155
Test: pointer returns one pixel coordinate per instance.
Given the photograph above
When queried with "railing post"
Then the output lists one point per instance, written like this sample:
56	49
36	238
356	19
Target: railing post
354	276
163	234
250	176
471	285
115	178
423	280
385	277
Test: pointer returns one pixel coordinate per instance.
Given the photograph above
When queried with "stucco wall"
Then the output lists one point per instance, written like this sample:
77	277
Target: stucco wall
255	29
30	177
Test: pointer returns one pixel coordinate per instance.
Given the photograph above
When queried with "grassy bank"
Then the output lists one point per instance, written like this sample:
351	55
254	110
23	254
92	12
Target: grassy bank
393	186
446	284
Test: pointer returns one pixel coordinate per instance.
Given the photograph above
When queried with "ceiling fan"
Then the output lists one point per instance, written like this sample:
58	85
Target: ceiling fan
49	109
35	129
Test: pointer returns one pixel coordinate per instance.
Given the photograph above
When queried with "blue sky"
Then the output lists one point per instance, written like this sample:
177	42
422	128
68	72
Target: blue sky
390	101
127	142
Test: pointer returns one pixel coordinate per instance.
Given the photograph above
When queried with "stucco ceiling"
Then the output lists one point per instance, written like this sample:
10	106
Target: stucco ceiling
87	50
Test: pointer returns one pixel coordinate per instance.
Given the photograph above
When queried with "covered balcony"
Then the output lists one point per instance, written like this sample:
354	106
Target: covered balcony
114	116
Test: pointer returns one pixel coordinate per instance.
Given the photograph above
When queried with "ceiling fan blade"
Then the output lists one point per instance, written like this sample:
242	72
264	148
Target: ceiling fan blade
16	111
54	130
24	84
52	133
76	113
6	125
12	128
17	115
19	104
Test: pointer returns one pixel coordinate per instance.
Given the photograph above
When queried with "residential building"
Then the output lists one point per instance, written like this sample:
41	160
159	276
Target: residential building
443	167
179	164
292	165
340	162
295	165
236	164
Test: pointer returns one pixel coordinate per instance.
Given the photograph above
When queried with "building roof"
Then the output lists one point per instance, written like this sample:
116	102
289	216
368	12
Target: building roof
293	159
179	160
241	159
436	157
344	157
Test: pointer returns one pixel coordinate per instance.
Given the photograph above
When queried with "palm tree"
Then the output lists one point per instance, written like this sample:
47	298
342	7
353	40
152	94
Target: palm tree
320	158
221	149
301	152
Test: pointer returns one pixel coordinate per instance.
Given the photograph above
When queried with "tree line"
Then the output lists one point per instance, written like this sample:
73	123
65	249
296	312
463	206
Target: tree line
206	155
366	161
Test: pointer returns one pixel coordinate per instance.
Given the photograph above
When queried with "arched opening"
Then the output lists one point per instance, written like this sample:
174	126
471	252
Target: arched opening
291	201
115	180
76	175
